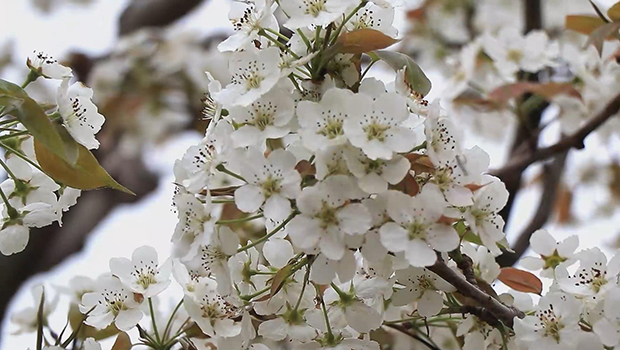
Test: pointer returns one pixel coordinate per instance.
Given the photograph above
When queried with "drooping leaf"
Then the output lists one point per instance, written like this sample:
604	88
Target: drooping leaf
583	24
415	77
501	95
278	280
34	119
520	280
87	174
123	342
614	12
364	40
605	32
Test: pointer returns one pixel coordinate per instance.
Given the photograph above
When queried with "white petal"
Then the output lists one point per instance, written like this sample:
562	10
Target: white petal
249	198
542	243
443	238
430	303
419	254
127	319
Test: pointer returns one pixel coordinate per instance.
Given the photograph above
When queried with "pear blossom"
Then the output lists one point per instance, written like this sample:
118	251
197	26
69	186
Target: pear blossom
242	267
27	319
15	232
266	118
326	218
186	278
47	66
324	270
79	114
331	161
451	176
595	275
551	253
423	286
554	325
374	125
213	312
322	122
91	344
442	139
212	110
478	335
415	230
196	223
254	73
484	263
345	308
291	324
304	13
374	17
608	327
511	51
142	273
213	258
374	175
483	216
247	20
111	302
78	286
198	164
29	187
272	182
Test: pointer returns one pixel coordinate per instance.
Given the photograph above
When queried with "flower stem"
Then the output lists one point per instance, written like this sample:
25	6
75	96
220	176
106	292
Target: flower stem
223	169
32	76
15	134
303	287
324	308
21	155
174	312
349	16
153	321
234	221
267	236
8	170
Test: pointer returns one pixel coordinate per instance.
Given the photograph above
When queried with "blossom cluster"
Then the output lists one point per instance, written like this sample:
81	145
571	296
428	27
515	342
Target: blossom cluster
31	198
323	205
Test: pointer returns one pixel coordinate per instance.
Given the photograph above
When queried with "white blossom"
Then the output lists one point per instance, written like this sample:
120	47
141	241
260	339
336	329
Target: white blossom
79	114
142	273
422	286
304	13
247	19
111	302
47	66
551	253
211	311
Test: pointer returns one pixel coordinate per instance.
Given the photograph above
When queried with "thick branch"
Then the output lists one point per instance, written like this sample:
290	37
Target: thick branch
502	312
551	182
574	141
154	13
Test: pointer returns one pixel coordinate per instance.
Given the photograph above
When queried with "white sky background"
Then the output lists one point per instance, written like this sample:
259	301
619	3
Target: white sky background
93	30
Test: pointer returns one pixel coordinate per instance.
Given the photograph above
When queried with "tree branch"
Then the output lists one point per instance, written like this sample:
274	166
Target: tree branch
502	312
574	141
406	331
551	182
154	13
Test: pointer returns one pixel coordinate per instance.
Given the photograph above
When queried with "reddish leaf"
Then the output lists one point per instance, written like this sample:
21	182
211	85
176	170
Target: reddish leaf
503	94
584	24
408	185
305	168
521	281
279	279
364	40
420	163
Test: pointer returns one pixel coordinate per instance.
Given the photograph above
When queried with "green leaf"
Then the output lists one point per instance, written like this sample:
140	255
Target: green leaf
415	77
32	116
87	174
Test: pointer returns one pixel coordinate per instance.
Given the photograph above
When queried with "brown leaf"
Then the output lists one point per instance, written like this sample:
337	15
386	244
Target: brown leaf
364	40
614	12
279	279
584	24
446	220
138	298
605	32
305	168
123	342
563	203
420	163
408	185
503	94
521	281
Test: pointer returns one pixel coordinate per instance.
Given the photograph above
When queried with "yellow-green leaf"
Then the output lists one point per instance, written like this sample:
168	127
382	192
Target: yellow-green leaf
584	24
520	280
34	119
123	342
614	12
414	76
364	40
87	174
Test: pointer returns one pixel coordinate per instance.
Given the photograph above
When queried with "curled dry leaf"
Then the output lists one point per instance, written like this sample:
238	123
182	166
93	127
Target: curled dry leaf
521	281
583	24
123	342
